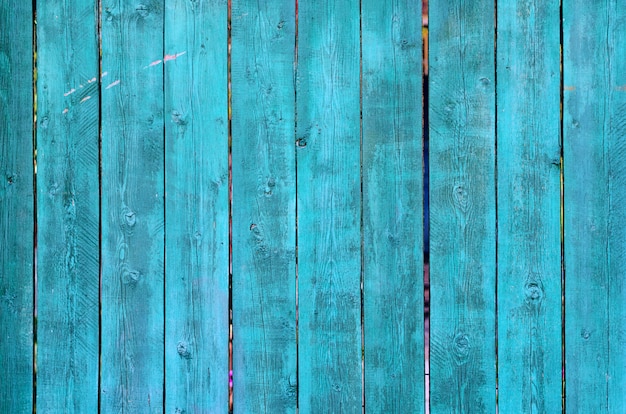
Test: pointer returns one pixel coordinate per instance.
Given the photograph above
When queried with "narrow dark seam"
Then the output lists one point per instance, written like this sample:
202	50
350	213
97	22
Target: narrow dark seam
295	129
562	203
99	40
34	146
495	72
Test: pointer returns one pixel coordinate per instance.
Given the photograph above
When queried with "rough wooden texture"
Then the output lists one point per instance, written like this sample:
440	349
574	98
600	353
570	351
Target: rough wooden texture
529	243
594	126
392	206
462	207
196	206
329	207
16	207
264	194
67	206
132	207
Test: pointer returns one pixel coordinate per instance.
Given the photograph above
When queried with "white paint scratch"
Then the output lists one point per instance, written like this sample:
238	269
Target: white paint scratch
156	62
71	91
104	74
113	84
66	110
91	80
166	58
86	98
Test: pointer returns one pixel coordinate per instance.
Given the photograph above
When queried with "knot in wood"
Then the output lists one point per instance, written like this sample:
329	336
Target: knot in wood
461	348
183	350
533	291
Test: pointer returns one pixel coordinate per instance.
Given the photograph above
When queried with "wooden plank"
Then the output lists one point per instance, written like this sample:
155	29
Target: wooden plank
16	207
196	206
529	243
67	206
264	193
594	163
329	207
132	207
462	207
392	206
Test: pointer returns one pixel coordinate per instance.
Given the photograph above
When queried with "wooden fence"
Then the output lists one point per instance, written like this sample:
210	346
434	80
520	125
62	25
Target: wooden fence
169	163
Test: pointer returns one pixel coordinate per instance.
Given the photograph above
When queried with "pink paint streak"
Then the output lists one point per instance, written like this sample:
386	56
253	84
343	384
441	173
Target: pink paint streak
66	110
86	98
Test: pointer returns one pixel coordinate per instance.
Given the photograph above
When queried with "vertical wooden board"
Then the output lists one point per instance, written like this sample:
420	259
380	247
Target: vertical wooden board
392	206
16	206
67	206
529	242
132	207
264	194
329	207
196	206
462	207
615	94
593	127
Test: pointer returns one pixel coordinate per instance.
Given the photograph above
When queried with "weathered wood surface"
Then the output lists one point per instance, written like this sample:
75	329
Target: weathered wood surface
529	243
196	206
68	206
264	196
392	206
329	207
594	126
462	207
16	207
132	207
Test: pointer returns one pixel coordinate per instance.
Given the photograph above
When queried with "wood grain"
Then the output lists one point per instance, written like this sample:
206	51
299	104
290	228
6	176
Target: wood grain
68	211
16	207
196	206
132	207
594	174
329	207
462	207
264	194
392	206
529	243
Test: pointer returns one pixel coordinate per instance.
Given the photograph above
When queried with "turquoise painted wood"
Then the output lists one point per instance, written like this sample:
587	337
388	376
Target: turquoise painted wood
392	206
329	207
594	127
126	209
68	207
132	340
529	240
462	207
16	207
196	206
264	196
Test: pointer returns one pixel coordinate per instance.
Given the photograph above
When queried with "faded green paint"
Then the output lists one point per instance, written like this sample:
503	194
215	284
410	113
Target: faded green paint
392	206
16	207
329	207
462	207
264	194
529	246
